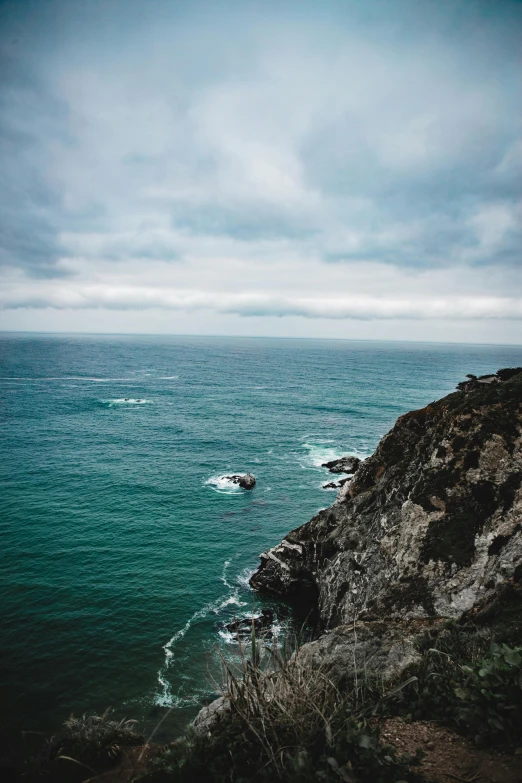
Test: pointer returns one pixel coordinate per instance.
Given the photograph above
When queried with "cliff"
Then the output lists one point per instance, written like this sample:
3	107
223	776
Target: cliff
430	526
428	529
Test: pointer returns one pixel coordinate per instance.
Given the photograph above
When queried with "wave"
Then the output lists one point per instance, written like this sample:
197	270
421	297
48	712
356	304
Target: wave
320	452
232	600
243	579
165	697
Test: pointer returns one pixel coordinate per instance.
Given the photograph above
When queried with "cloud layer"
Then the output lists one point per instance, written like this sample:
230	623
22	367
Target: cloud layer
357	161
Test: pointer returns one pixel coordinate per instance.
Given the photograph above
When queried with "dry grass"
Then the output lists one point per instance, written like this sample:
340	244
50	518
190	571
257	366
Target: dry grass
286	709
286	721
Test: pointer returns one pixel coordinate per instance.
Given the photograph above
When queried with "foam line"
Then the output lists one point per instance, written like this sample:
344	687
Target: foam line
72	378
224	574
165	697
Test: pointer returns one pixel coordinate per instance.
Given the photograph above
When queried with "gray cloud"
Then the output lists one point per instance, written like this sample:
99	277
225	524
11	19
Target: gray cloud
225	152
30	208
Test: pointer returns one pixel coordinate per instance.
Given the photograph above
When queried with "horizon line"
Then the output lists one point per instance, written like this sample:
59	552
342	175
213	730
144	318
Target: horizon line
250	337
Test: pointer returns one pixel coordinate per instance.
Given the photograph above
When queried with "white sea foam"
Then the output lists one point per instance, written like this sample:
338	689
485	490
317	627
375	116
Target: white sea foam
243	578
227	636
168	377
70	378
226	565
231	638
165	698
232	600
126	401
320	451
276	629
223	485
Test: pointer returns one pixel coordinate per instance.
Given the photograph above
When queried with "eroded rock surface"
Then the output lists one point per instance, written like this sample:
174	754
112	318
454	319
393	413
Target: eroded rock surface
429	525
370	651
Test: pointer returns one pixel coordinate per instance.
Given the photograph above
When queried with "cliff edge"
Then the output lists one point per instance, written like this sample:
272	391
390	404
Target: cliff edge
430	526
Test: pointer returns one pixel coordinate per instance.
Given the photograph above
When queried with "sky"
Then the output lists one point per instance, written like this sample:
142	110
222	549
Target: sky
345	168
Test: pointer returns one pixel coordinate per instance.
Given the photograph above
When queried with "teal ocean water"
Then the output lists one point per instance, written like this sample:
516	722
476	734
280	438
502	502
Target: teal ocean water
123	550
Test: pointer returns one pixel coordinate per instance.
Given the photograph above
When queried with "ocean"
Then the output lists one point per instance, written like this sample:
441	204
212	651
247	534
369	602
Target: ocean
124	551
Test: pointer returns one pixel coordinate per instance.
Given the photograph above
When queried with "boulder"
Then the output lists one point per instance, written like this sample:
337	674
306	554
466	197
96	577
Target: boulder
245	481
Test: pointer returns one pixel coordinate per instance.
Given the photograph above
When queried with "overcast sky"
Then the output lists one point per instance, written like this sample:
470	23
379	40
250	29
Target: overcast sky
330	169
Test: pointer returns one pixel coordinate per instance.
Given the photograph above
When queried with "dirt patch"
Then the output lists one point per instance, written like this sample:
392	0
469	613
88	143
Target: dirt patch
450	757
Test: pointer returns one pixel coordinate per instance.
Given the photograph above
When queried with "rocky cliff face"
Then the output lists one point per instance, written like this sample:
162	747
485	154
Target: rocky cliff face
429	526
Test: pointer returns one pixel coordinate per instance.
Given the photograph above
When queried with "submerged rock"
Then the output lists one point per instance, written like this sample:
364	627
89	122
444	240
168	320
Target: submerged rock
342	465
245	481
427	527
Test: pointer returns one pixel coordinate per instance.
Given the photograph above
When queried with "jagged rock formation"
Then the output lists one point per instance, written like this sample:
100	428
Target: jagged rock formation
342	465
429	526
336	484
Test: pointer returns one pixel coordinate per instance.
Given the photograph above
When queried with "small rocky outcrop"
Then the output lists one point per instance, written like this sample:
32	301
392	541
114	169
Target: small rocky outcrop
245	481
261	624
336	484
342	465
429	526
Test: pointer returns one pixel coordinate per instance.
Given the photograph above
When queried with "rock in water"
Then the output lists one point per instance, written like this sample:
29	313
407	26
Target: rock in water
342	465
429	526
246	481
242	628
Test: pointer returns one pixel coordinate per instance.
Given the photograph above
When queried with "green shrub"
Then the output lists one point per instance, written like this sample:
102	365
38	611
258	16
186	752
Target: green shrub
491	696
431	694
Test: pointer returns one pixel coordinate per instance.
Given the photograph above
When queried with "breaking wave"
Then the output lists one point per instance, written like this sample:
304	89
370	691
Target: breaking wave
223	485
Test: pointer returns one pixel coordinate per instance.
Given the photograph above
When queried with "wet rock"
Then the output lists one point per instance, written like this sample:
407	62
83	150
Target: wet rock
342	465
262	624
245	481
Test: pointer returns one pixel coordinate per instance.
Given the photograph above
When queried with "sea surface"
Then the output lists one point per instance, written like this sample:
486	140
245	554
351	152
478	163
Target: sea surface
124	551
